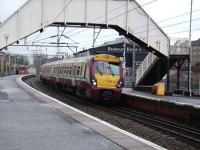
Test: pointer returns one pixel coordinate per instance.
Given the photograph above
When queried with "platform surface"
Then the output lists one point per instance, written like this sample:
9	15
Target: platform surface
177	99
32	121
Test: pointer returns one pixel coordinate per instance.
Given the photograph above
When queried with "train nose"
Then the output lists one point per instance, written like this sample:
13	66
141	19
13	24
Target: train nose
107	95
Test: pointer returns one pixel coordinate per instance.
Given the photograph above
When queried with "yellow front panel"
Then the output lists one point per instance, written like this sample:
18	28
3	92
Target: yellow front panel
109	81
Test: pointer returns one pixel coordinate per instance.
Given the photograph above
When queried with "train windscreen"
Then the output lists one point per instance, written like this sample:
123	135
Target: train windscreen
109	68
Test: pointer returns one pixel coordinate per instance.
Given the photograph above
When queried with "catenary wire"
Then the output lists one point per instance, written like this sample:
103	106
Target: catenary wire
149	29
111	36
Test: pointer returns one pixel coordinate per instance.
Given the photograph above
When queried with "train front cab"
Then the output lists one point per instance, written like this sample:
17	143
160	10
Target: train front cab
106	78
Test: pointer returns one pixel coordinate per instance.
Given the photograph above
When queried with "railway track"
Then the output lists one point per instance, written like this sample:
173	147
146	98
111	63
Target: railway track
190	134
185	133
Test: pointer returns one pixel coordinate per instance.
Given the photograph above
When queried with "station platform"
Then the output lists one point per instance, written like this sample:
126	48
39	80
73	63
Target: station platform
175	99
31	120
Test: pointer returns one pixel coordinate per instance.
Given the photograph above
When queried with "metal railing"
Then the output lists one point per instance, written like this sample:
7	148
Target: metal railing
145	66
128	78
179	50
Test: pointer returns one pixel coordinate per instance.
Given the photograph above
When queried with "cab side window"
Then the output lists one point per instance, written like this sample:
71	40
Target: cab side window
70	70
78	70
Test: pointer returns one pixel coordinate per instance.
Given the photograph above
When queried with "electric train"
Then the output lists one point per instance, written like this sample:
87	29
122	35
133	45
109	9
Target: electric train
98	77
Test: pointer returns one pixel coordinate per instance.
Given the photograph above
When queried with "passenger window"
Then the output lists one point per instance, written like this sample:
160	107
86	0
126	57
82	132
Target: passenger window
74	70
64	70
78	70
81	69
67	70
70	70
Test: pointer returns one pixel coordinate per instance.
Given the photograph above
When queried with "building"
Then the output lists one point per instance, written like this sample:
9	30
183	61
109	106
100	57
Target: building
2	62
8	64
183	48
196	67
5	64
195	52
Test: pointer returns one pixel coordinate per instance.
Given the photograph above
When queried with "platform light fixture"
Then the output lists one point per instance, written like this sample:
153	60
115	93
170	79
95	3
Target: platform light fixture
41	30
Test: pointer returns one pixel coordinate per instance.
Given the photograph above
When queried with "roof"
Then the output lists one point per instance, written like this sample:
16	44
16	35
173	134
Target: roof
110	43
117	41
196	43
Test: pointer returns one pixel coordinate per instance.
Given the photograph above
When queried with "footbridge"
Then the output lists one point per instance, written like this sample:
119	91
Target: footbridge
125	16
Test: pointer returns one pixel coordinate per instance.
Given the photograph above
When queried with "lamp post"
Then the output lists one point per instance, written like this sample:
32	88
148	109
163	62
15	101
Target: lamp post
124	53
190	53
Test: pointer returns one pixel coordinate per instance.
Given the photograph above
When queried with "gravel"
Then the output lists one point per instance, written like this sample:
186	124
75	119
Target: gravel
131	126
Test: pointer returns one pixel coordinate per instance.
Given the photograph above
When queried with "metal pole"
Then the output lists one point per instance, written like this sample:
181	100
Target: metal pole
93	36
178	75
6	66
124	59
2	64
190	53
133	66
1	58
9	63
125	54
168	69
58	41
15	64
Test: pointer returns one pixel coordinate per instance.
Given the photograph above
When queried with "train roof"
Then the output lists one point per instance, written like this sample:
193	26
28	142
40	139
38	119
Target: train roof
68	60
84	58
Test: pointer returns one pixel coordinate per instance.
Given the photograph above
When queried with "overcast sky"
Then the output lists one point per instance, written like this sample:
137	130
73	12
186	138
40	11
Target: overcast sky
159	10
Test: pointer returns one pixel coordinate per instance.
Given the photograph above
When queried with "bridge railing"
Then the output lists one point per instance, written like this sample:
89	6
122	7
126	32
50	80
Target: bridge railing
145	66
179	50
181	47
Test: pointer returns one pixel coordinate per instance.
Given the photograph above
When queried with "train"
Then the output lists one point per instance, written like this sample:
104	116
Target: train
98	77
21	69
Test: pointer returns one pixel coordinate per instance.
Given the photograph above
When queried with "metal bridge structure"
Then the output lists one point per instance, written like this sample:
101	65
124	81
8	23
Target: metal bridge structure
125	16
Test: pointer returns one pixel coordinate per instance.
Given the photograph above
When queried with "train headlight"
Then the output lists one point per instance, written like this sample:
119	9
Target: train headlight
94	82
119	84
